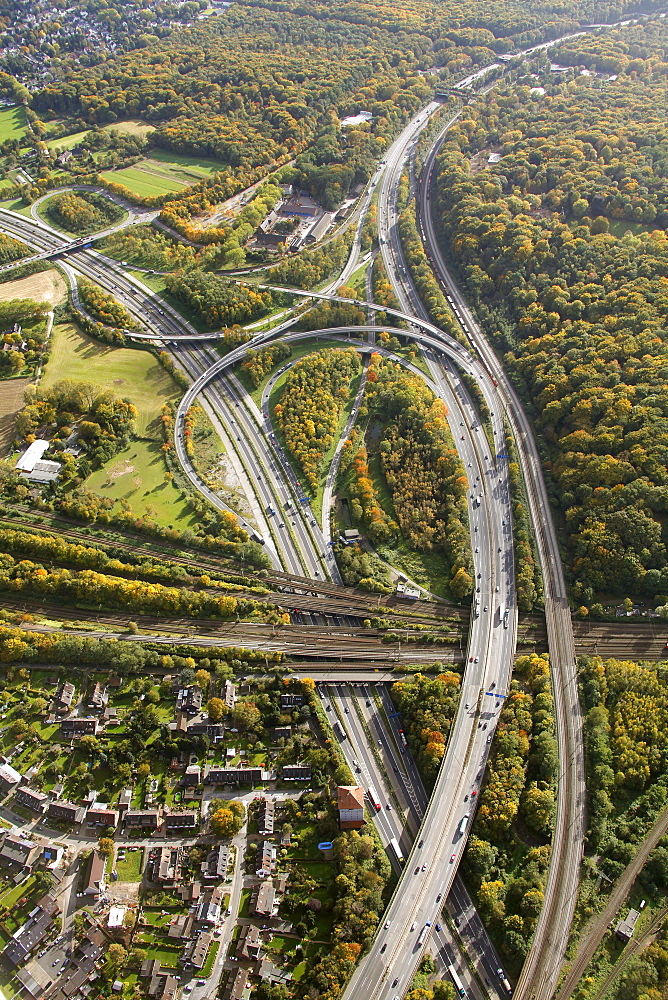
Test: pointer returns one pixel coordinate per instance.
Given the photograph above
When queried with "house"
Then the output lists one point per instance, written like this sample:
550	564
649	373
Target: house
161	985
195	951
31	799
98	697
210	906
266	859
214	774
76	977
350	801
33	931
181	927
291	700
99	815
281	733
189	700
296	772
249	943
320	228
205	727
177	822
625	928
64	698
190	892
230	694
125	799
43	472
142	819
165	865
18	854
92	874
52	855
192	776
265	817
65	812
9	778
79	725
237	983
32	454
262	900
216	864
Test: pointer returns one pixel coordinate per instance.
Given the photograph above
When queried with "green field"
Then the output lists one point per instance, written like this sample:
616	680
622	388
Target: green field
162	173
12	123
67	141
134	374
137	475
131	867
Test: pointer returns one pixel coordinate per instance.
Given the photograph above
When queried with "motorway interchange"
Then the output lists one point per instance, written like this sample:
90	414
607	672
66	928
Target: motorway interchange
284	521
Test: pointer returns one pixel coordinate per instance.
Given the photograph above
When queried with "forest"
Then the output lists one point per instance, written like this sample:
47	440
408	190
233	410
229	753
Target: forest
422	469
217	302
508	852
104	307
312	399
563	249
428	705
82	212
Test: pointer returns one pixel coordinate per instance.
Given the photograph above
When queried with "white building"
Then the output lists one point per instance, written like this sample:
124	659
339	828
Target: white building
32	466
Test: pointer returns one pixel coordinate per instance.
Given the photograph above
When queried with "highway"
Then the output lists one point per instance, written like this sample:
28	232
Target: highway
541	968
407	786
386	972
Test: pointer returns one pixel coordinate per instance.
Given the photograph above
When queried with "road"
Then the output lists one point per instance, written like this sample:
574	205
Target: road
543	963
403	775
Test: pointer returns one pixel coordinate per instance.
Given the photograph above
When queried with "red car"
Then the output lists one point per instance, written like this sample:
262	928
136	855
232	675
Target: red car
453	858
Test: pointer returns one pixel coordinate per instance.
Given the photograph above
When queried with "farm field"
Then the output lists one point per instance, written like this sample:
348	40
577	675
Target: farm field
12	123
130	373
46	286
162	173
11	401
137	475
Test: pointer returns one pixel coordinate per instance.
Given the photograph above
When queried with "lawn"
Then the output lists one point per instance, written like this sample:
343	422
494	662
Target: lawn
66	141
131	867
12	896
134	374
12	123
162	172
137	474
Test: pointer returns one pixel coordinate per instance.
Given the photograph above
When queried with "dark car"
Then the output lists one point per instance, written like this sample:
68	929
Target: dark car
417	870
383	948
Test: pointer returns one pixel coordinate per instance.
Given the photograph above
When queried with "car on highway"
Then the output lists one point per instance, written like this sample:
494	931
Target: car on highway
414	925
452	858
395	981
473	793
438	927
489	738
421	843
424	868
417	870
387	924
383	948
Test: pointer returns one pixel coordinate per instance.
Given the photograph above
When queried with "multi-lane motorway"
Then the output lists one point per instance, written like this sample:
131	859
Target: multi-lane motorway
297	544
